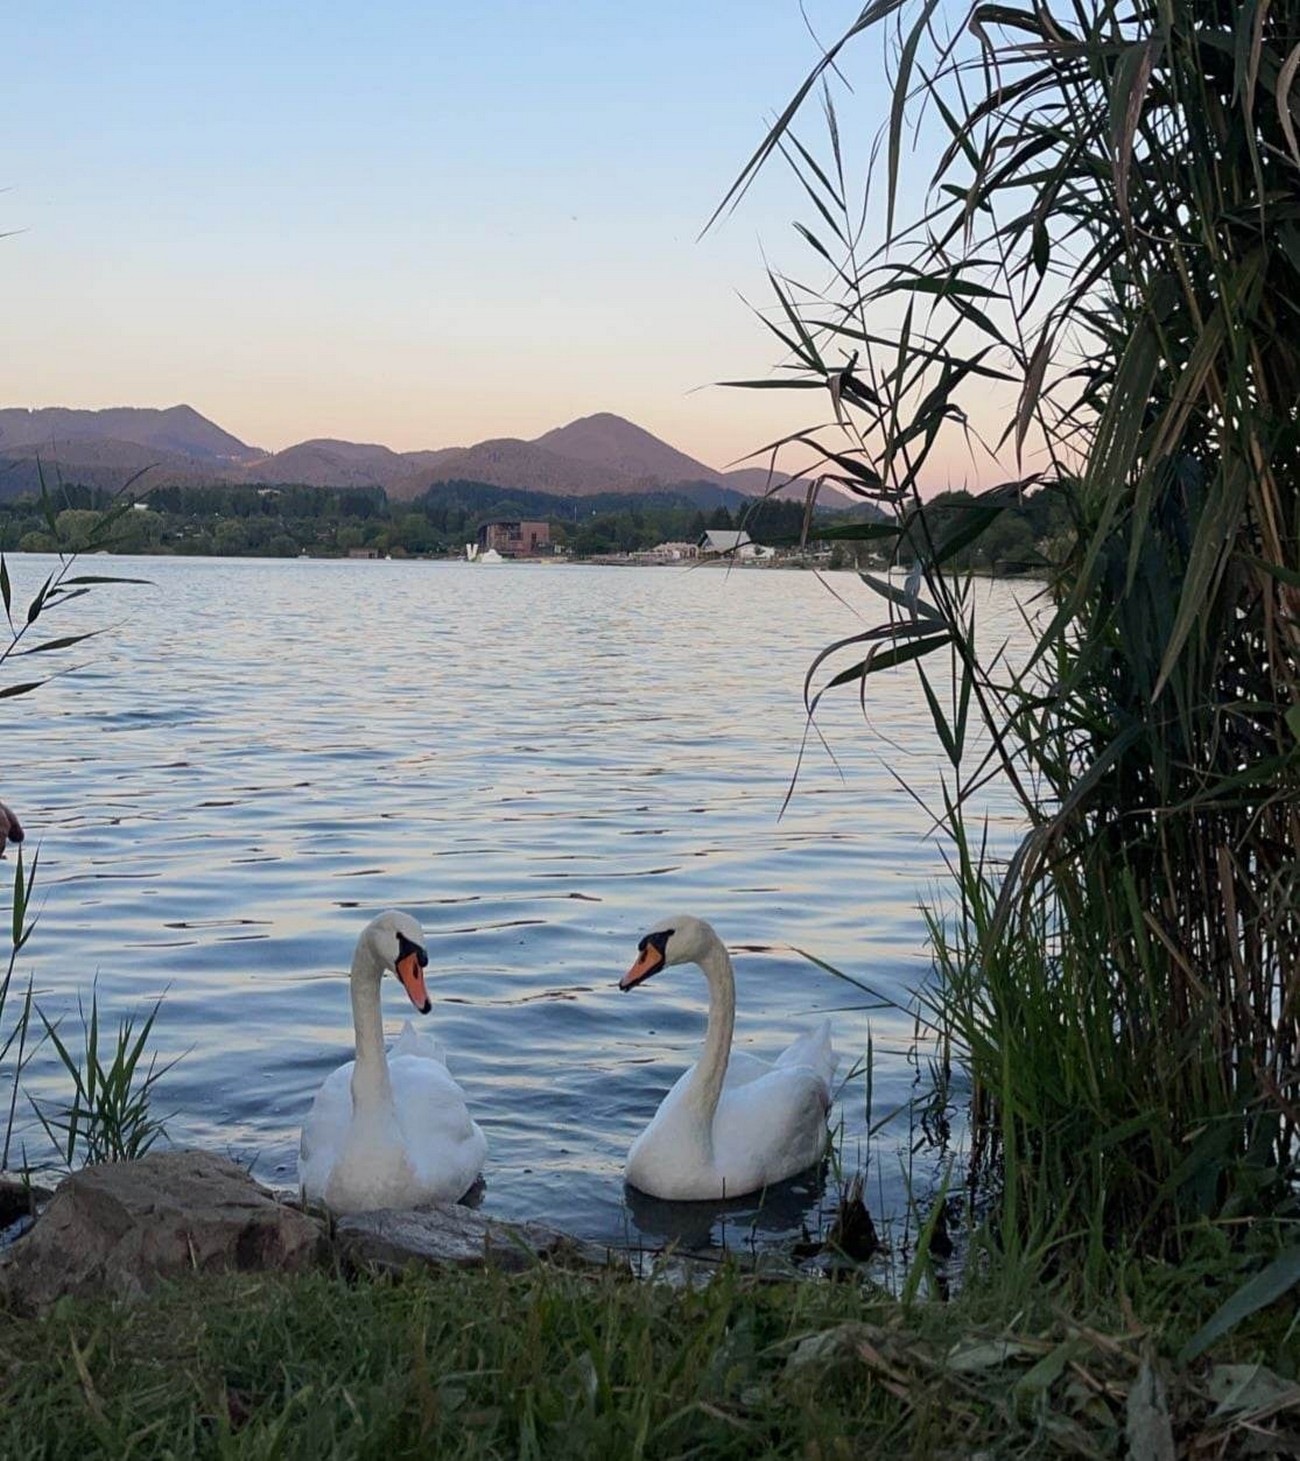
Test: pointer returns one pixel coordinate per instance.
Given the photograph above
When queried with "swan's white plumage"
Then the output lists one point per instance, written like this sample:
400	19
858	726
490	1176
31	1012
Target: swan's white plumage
411	1041
733	1123
370	1141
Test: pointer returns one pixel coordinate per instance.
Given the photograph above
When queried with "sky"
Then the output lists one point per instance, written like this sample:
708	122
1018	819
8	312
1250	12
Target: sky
420	224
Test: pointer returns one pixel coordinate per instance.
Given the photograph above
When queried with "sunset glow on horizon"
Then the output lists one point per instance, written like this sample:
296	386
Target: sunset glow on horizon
416	225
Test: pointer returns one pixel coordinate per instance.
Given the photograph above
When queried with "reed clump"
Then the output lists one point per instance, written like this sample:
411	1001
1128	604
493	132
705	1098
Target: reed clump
1111	241
108	1117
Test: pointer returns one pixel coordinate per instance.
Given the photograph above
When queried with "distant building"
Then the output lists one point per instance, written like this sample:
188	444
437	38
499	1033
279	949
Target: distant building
718	542
363	552
673	552
515	539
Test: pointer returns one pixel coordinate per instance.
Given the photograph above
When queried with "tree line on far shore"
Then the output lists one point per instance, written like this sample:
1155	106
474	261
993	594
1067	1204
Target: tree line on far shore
287	521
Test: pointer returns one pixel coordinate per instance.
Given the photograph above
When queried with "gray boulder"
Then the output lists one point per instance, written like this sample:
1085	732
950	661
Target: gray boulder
117	1229
445	1235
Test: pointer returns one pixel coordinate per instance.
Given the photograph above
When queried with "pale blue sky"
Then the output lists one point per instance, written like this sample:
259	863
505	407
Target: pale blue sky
419	224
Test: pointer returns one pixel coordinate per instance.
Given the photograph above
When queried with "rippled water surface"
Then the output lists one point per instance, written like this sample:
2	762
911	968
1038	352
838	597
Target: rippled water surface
537	762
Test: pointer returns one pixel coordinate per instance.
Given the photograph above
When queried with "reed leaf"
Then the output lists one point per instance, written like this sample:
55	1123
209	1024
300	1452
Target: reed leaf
1113	198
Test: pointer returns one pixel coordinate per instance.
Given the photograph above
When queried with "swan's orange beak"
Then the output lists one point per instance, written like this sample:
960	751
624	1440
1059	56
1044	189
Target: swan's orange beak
649	961
412	977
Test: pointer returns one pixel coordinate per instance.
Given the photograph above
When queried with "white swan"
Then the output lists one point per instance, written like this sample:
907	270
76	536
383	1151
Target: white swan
389	1131
733	1123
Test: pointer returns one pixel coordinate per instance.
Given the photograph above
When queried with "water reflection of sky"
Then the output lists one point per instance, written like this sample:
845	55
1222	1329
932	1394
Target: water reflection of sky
537	762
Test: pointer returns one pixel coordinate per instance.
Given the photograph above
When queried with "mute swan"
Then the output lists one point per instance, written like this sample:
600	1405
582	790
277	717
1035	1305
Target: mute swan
733	1123
389	1131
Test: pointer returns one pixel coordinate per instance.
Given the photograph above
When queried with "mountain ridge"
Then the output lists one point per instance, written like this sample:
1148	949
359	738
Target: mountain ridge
177	444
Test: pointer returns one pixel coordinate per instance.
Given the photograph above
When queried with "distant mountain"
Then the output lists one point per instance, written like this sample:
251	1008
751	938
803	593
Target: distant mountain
596	454
177	431
633	452
758	481
622	447
325	463
509	462
96	462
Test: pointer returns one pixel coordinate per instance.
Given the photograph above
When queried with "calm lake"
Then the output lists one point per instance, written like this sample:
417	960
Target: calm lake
537	762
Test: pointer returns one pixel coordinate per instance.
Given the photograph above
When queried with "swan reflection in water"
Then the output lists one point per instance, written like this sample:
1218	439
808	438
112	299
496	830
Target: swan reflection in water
781	1211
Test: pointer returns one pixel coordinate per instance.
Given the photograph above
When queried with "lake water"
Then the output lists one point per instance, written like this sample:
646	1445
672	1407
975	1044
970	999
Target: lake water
537	762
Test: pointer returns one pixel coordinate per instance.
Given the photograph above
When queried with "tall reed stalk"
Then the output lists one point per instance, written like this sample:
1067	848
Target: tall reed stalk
121	1107
1111	238
15	1013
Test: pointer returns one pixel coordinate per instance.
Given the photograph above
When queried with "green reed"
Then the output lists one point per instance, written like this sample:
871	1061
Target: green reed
14	1041
1111	240
108	1115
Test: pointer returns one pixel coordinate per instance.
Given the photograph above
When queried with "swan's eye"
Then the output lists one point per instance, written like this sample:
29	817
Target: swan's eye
406	947
658	939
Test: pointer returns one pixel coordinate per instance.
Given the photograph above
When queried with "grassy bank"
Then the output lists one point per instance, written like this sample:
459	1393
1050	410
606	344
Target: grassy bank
549	1364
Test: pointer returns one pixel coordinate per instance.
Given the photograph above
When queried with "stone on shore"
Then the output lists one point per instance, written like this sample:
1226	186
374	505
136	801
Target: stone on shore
116	1230
446	1235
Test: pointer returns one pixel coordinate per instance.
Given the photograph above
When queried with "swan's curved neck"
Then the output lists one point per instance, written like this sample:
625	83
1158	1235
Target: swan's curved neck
371	1086
706	1081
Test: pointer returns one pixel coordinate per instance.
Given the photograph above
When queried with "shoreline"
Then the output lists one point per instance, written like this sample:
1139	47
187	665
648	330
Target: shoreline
306	1348
557	561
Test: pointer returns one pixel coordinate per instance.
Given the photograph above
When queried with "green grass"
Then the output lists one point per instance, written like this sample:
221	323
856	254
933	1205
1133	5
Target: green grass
552	1364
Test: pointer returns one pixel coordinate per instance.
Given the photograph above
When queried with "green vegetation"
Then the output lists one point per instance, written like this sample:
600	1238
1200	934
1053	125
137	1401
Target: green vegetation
15	1012
109	1115
1112	240
1024	537
285	522
548	1364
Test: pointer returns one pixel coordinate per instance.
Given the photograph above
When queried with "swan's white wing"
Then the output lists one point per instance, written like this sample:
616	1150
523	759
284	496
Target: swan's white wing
414	1042
770	1124
743	1068
771	1128
443	1144
442	1147
324	1132
813	1051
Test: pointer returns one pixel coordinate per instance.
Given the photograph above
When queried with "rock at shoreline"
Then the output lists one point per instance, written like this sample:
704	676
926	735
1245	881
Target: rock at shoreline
445	1235
118	1229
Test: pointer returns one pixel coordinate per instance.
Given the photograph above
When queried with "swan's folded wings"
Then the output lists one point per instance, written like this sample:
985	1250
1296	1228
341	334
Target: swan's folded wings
813	1051
414	1042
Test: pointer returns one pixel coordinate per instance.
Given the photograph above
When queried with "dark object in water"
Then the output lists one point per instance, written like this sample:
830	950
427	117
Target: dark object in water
11	829
853	1235
941	1244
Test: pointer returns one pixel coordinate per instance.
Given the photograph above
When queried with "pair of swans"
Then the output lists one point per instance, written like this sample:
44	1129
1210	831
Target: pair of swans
394	1130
